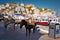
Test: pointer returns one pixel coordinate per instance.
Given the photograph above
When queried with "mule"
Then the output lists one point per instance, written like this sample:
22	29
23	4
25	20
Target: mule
28	26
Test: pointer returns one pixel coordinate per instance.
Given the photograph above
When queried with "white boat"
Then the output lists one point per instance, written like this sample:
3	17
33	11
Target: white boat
55	21
43	21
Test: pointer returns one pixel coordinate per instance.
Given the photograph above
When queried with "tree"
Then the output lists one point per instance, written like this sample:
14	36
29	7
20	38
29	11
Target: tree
45	9
40	9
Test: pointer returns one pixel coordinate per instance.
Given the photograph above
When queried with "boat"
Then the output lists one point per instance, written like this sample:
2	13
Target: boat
44	22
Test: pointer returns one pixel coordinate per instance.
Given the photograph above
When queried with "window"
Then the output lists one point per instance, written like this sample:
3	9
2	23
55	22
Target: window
42	19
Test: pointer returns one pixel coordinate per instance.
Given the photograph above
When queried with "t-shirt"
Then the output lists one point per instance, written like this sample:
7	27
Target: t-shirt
30	22
22	18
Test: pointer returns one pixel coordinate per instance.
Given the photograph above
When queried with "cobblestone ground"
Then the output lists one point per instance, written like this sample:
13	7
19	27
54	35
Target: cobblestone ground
19	34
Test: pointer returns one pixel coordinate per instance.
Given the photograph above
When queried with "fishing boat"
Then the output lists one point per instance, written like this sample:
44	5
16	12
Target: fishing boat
44	22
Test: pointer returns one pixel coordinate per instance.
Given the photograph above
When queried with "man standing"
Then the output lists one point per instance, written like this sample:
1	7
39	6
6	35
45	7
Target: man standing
23	19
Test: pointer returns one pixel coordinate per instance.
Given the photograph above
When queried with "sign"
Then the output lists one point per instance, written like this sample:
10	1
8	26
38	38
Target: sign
57	31
57	26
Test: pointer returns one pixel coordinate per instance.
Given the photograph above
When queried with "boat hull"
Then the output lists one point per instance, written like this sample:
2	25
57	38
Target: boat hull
43	23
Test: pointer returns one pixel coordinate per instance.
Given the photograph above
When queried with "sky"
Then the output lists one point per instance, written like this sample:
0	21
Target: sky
51	4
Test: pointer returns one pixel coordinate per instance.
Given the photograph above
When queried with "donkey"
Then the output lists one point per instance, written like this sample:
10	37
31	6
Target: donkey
28	25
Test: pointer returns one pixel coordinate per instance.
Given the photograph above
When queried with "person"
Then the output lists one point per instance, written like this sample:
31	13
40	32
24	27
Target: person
23	19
